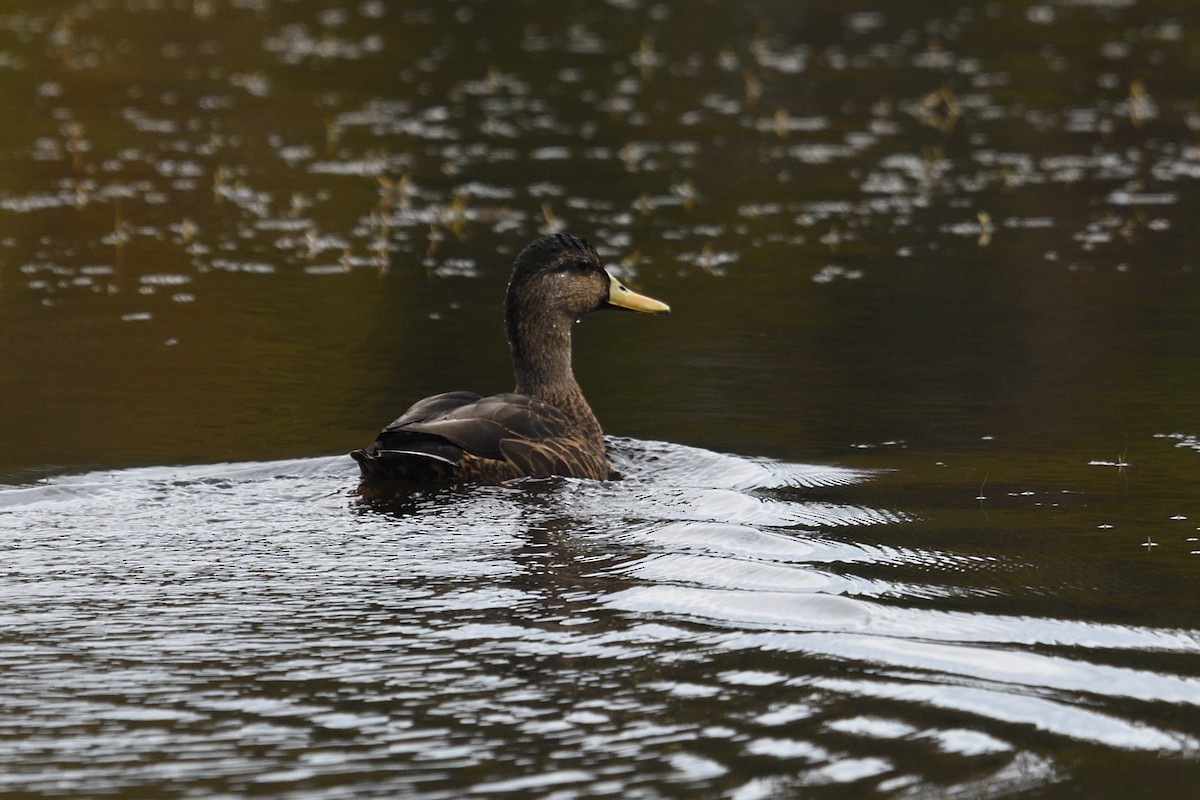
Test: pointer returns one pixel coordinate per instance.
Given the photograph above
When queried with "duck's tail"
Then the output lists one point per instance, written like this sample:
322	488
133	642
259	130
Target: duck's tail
380	464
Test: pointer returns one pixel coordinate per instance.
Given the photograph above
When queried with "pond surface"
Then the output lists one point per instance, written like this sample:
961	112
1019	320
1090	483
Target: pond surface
911	495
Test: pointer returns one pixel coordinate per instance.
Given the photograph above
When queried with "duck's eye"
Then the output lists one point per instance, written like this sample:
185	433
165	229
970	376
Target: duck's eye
576	265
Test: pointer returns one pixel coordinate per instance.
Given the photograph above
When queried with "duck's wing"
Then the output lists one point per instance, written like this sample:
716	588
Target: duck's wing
482	425
465	436
433	406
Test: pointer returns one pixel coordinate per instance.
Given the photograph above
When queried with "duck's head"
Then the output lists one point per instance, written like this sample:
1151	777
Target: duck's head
562	274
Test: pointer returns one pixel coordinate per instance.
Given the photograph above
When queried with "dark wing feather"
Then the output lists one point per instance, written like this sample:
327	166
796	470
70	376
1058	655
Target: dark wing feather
431	407
505	435
480	427
399	453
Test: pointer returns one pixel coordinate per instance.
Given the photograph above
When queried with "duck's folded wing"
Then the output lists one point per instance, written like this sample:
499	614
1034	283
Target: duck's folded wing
462	436
483	426
432	407
399	452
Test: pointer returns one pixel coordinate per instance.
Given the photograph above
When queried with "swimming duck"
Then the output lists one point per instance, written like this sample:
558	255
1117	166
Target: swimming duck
544	426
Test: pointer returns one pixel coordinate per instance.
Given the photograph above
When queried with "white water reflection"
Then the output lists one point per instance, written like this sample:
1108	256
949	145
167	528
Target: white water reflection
1060	718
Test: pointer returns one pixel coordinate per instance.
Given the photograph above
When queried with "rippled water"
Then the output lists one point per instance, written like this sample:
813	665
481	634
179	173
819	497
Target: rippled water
935	293
708	625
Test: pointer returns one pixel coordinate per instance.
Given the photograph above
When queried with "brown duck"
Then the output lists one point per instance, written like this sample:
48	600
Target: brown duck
545	426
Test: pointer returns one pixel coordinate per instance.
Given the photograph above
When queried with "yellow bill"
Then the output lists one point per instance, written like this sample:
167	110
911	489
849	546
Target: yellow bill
622	297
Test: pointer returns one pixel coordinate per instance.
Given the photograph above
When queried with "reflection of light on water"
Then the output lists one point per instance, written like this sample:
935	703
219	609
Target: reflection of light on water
1048	715
1187	440
1120	463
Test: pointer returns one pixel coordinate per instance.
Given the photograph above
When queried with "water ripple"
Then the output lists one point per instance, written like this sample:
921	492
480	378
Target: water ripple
249	626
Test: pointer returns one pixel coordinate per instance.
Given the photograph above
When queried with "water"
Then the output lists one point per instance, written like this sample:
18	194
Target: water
909	506
709	624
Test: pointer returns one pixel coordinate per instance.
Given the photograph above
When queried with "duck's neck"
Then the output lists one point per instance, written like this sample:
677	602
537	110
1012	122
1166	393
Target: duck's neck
541	352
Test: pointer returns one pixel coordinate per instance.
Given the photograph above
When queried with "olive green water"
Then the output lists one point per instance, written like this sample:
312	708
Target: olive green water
912	493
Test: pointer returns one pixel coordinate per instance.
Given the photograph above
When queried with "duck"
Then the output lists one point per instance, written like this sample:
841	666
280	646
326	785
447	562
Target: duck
544	427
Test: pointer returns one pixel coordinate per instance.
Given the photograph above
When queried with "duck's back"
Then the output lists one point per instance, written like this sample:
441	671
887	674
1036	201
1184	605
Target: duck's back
462	436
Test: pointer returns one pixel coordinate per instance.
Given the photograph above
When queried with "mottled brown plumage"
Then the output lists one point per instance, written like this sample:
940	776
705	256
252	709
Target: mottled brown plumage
545	426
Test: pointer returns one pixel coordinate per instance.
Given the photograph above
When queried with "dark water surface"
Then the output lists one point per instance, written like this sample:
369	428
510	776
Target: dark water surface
935	285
